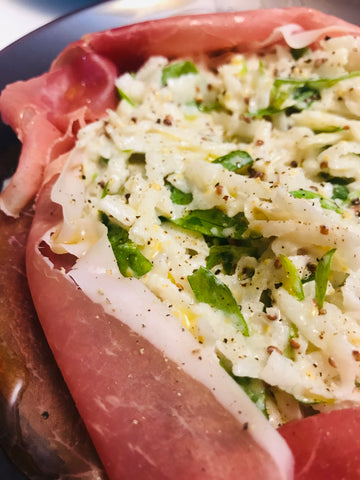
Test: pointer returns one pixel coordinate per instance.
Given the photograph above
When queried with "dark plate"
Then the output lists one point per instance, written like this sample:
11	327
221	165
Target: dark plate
32	55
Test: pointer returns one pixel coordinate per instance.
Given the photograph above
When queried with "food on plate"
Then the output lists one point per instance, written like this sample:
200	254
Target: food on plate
203	233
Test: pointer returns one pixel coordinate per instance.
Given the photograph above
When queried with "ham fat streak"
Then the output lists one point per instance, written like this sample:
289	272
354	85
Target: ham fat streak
153	407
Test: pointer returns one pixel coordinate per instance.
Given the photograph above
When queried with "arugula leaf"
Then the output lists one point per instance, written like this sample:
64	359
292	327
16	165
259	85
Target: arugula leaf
266	298
209	289
103	160
304	96
337	180
176	70
123	96
302	92
228	256
178	196
137	158
322	276
309	195
341	192
308	278
237	161
254	388
316	83
130	260
206	107
213	222
292	283
297	53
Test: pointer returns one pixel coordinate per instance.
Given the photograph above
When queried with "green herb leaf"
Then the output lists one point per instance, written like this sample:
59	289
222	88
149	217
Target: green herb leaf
266	298
337	180
292	283
298	93
206	107
237	161
130	260
176	70
123	96
340	191
322	276
214	223
309	195
254	388
103	160
137	158
304	96
293	333
328	129
317	83
105	190
228	256
309	278
209	289
297	53
178	196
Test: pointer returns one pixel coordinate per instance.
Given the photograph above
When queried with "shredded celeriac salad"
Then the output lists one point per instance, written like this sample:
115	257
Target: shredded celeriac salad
233	193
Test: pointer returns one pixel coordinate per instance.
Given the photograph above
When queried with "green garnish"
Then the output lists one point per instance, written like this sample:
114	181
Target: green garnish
336	180
317	83
237	161
266	298
206	107
209	289
297	53
176	70
228	256
214	223
341	192
123	96
325	203
298	93
103	160
328	129
293	333
254	388
137	158
322	276
178	196
105	190
130	260
292	283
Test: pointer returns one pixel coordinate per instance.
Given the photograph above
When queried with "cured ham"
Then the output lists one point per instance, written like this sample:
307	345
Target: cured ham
46	112
139	406
325	446
150	415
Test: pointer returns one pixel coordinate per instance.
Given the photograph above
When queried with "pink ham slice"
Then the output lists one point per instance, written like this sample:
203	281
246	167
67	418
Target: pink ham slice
326	446
46	112
147	418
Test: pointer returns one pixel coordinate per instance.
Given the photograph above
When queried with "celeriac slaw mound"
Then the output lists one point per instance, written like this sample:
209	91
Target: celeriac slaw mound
233	193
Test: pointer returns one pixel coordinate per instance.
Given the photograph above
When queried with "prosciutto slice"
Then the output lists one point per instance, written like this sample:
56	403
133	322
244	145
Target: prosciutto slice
46	112
148	416
326	446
